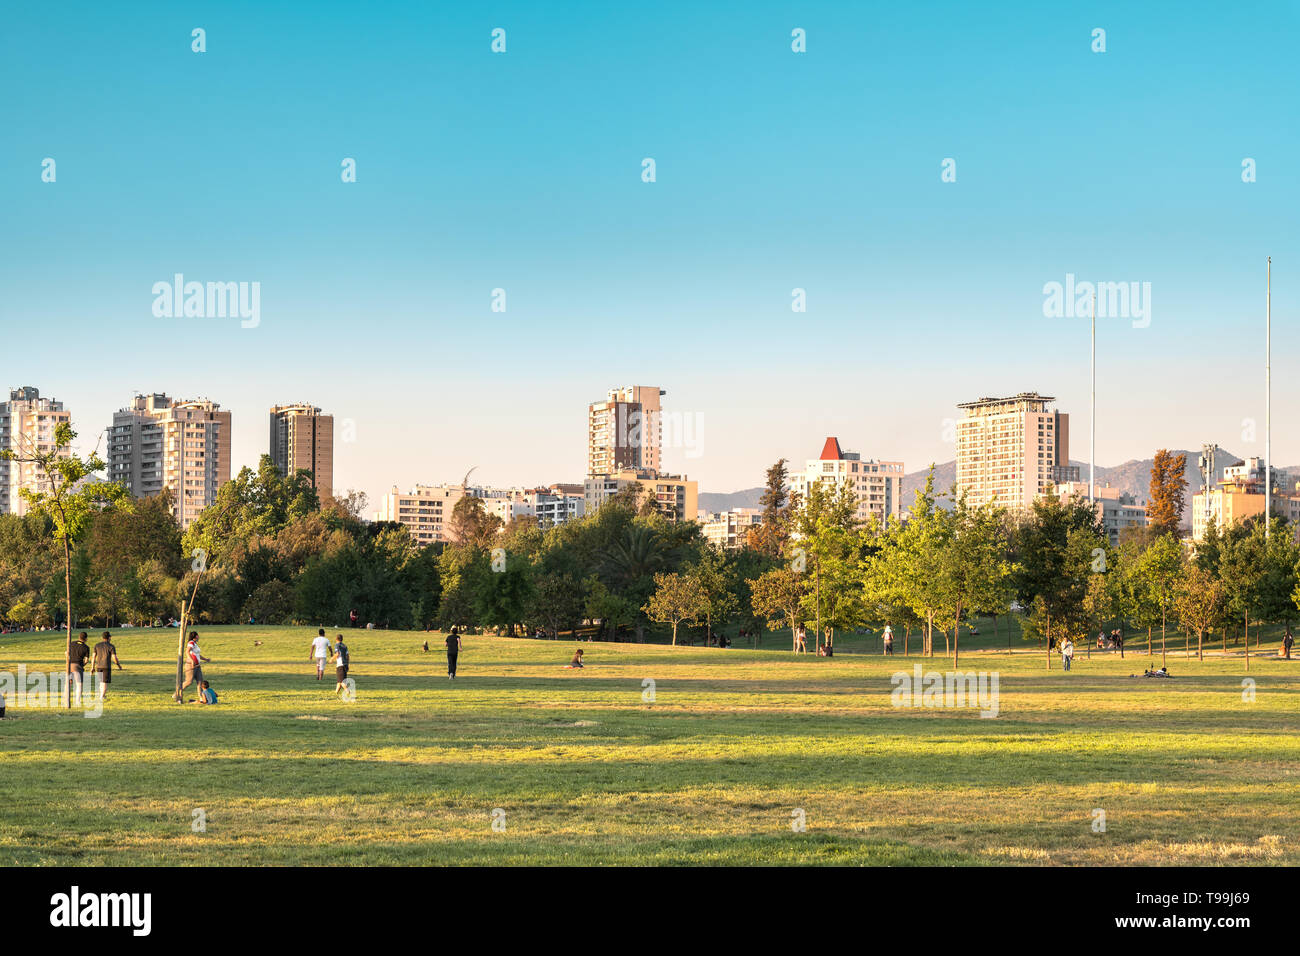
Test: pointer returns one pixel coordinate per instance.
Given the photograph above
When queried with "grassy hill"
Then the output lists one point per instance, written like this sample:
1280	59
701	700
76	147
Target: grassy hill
587	771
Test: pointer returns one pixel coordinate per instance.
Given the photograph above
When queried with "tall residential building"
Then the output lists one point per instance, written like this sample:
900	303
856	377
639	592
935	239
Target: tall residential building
1012	449
673	496
27	424
157	442
878	485
1240	495
1116	509
303	438
624	431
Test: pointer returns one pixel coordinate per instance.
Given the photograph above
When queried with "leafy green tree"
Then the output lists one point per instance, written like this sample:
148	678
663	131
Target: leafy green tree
1058	546
1200	603
69	500
677	599
777	596
1160	569
717	583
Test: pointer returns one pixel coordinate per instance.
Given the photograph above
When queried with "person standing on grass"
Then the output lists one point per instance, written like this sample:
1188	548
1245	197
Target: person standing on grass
77	657
1286	644
105	658
889	641
194	661
453	652
320	649
1067	653
342	660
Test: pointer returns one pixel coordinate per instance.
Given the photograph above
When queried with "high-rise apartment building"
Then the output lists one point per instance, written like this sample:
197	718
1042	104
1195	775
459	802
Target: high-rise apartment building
878	485
157	442
1012	449
27	424
623	432
303	439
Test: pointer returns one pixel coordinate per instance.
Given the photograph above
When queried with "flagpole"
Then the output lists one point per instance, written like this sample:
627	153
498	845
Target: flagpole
1092	412
1268	397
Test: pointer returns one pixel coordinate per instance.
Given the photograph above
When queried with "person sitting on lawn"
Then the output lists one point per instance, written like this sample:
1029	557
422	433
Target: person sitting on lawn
577	659
206	694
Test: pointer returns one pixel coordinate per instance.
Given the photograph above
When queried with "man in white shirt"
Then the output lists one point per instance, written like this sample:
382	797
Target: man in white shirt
320	649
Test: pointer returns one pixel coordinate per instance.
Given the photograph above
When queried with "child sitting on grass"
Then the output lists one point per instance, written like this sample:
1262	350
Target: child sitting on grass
206	694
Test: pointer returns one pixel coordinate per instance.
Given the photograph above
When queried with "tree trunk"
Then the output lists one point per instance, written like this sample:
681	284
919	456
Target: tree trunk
907	632
1162	637
67	583
956	636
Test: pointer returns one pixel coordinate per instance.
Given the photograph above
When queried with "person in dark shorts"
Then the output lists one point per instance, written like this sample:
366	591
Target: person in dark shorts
77	658
453	652
341	661
105	658
577	659
194	661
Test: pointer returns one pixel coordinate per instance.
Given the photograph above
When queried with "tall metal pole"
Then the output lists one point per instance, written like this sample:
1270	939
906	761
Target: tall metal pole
1092	412
1268	397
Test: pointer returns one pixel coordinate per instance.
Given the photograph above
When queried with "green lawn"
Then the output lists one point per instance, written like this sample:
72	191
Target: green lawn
710	772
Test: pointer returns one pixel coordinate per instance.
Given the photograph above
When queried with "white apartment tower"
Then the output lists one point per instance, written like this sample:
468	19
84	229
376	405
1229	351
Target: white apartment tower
1012	449
27	424
157	442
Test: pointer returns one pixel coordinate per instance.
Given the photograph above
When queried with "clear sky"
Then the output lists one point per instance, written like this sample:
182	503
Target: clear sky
775	170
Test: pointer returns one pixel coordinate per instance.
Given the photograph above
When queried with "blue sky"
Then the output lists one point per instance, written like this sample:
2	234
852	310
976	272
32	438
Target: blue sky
775	170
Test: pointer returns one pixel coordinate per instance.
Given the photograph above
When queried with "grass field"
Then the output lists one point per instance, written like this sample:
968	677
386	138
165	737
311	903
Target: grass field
587	772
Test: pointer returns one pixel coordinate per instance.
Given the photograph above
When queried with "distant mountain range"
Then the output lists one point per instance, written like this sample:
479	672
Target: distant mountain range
1132	477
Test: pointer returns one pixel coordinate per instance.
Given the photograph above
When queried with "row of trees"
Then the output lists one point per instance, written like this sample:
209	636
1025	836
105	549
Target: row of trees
271	551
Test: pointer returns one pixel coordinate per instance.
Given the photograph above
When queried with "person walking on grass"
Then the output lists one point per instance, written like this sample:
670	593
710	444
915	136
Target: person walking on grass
1286	644
194	661
1067	653
889	641
453	652
320	649
342	660
77	658
105	658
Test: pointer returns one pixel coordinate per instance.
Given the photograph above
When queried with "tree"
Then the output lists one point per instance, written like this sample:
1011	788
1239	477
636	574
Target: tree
1167	493
1160	569
912	568
1059	544
829	542
677	599
770	536
471	524
776	595
70	501
717	582
1200	603
975	569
